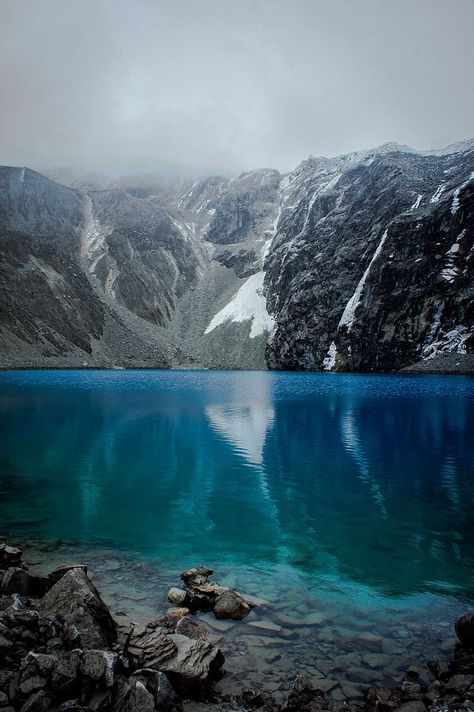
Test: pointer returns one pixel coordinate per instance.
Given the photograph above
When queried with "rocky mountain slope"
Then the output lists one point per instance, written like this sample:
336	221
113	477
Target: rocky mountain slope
360	262
372	269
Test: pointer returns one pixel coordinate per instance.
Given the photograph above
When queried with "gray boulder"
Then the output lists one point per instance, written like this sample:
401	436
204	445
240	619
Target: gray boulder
76	599
157	684
231	604
177	596
99	665
190	664
136	699
60	571
9	556
39	701
66	671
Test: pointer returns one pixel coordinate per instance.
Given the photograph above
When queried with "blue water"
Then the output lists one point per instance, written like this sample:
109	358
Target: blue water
359	485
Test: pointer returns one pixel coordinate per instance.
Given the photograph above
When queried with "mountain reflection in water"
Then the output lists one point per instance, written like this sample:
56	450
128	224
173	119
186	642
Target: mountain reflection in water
368	479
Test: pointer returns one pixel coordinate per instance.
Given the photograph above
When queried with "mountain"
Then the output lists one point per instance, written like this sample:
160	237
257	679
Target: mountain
358	262
373	267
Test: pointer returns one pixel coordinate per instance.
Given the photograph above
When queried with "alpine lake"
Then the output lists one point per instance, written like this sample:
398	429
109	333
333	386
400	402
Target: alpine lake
344	501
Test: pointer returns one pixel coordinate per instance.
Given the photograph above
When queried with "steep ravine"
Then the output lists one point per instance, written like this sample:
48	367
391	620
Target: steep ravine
359	262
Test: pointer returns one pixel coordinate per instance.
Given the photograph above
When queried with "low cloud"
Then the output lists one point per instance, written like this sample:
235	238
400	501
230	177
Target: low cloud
202	86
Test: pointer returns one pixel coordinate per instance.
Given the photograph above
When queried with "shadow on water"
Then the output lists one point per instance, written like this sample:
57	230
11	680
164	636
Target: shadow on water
364	479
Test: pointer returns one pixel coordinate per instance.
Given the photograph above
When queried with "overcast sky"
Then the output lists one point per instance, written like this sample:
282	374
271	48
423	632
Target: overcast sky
127	86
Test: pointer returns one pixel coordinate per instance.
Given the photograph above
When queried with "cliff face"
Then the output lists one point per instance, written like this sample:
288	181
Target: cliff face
373	268
361	262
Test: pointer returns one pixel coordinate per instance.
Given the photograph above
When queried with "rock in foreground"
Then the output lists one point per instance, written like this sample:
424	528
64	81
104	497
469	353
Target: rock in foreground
77	600
201	593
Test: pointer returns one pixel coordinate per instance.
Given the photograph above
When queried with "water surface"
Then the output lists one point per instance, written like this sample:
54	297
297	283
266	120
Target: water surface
352	495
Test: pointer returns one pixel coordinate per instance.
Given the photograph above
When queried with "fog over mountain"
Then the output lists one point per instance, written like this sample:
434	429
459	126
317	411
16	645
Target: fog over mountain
359	262
207	87
237	184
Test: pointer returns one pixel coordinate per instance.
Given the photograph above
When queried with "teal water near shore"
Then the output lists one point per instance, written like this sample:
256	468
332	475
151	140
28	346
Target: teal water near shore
346	500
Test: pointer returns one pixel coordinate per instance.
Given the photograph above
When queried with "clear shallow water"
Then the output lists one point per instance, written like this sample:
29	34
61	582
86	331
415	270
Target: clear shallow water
348	494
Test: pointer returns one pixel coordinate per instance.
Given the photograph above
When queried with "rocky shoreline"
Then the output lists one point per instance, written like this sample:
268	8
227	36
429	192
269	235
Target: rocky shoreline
62	650
450	364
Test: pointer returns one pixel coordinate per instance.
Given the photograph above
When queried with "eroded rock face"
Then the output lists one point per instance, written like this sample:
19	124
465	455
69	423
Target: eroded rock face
78	601
372	265
190	664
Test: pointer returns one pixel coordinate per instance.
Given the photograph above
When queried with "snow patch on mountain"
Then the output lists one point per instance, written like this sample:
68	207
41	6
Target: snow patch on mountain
438	193
348	316
330	360
417	202
454	341
248	304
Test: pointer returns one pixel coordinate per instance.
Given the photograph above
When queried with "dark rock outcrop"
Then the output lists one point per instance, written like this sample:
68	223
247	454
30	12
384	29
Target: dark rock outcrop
47	664
372	266
77	600
443	686
465	630
191	664
17	580
58	651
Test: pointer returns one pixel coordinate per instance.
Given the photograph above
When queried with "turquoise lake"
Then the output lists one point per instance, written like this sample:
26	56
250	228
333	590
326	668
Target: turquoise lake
348	495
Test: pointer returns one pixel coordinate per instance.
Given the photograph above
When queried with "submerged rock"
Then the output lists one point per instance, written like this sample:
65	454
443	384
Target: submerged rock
303	696
60	653
367	641
178	612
